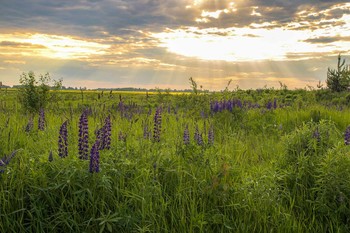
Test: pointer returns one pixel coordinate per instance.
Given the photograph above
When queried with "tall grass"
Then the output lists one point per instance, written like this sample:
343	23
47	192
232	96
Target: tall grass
265	172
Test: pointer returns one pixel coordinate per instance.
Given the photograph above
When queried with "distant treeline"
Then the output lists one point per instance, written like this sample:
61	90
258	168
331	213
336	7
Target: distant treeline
113	89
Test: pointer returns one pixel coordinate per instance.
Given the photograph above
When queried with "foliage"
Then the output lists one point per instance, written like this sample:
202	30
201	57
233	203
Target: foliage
338	79
243	168
35	94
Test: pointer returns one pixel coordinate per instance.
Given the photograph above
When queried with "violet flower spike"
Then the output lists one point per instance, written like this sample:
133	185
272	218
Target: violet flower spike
186	137
157	125
95	158
63	140
41	120
83	141
347	136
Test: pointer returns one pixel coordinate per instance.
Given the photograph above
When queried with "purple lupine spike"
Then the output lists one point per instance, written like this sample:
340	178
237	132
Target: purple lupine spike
347	136
63	140
269	105
6	160
198	136
169	109
317	135
95	158
157	124
211	135
41	120
230	105
275	103
83	141
186	137
239	103
146	132
105	135
30	125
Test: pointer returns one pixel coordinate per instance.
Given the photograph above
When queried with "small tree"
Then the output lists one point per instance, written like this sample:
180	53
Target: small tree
338	79
35	94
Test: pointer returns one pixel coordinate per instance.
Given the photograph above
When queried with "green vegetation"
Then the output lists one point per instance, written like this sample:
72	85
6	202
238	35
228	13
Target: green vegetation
255	161
339	79
35	94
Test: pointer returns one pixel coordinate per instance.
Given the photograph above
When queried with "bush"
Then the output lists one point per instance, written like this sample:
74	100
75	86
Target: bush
305	148
338	79
35	94
332	186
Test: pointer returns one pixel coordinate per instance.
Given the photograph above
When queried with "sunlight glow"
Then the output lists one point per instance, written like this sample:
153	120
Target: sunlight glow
61	47
248	44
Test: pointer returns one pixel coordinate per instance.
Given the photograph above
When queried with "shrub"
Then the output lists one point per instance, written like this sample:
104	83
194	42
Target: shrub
35	94
338	79
332	185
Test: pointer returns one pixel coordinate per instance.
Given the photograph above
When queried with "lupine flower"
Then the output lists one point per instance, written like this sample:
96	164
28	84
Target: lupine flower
30	125
147	134
186	137
275	103
169	109
157	125
107	128
6	160
269	105
83	141
95	158
50	156
103	135
347	136
317	135
211	135
239	103
198	137
41	121
63	141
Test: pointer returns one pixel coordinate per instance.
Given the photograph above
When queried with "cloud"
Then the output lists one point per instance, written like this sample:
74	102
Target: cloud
327	39
150	42
20	45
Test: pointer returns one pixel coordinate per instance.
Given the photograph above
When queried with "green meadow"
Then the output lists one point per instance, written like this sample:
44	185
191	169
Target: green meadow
261	160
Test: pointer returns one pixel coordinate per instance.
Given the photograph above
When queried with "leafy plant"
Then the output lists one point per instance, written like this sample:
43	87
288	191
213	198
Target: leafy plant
338	79
36	93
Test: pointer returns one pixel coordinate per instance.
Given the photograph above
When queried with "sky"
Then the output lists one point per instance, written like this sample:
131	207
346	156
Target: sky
162	43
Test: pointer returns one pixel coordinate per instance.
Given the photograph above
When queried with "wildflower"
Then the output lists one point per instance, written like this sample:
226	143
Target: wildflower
63	141
317	135
83	143
6	160
30	125
198	137
347	136
211	135
41	121
269	105
186	137
103	135
107	133
146	132
95	158
275	103
157	125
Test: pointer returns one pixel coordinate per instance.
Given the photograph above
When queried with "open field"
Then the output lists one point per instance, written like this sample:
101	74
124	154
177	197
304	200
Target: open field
244	161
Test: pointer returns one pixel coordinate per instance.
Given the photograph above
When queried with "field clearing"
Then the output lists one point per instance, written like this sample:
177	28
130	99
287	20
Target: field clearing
243	161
